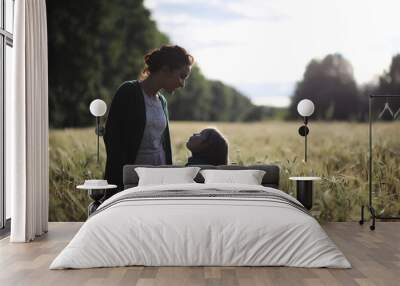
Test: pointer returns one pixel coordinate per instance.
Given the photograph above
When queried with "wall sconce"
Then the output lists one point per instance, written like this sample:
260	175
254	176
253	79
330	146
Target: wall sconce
305	108
98	108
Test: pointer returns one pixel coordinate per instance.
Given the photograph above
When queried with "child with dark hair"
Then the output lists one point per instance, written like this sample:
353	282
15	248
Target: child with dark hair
209	147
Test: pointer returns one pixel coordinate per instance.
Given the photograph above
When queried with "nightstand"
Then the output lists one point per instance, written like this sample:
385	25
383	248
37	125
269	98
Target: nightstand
96	193
304	187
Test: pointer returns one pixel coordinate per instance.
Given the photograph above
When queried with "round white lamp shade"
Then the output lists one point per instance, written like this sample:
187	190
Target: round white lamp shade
98	107
305	107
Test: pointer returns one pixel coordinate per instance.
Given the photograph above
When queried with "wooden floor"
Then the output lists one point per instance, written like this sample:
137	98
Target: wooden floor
375	256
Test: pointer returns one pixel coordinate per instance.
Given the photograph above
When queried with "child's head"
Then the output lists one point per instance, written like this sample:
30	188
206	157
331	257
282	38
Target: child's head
210	145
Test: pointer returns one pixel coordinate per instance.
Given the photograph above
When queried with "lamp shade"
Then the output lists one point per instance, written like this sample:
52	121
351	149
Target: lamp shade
305	107
98	107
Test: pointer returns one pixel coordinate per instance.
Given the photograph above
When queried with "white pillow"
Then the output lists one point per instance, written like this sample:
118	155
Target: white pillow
164	176
248	177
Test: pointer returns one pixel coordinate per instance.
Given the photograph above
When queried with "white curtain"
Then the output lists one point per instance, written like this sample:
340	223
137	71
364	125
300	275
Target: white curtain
27	124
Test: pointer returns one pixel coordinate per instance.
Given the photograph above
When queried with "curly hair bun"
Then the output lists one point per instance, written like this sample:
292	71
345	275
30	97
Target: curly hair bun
173	57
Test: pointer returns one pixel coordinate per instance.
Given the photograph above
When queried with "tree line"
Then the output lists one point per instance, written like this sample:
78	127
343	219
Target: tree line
95	45
330	84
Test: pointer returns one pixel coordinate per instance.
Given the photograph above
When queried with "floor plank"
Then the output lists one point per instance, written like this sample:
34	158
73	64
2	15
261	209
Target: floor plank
375	257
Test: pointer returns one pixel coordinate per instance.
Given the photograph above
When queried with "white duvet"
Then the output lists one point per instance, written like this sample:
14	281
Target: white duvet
200	231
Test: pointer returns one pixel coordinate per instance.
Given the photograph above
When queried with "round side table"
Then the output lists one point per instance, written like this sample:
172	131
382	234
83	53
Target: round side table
96	193
304	190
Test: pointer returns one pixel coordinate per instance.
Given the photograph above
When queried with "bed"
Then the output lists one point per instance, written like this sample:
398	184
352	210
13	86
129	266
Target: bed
201	224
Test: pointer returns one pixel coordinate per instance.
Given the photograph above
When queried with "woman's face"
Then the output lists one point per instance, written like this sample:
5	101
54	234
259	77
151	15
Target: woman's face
176	78
197	140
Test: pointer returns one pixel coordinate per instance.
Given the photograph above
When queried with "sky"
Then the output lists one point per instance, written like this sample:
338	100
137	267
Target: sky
262	47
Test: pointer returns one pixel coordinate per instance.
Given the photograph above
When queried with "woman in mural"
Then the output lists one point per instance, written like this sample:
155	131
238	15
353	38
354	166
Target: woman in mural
209	147
137	125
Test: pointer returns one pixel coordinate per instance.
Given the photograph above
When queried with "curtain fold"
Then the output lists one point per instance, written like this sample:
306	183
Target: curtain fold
27	120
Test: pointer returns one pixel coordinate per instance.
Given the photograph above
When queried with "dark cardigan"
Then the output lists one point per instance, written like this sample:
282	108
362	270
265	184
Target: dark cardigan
124	131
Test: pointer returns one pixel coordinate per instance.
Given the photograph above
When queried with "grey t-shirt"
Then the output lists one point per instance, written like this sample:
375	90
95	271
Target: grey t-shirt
151	150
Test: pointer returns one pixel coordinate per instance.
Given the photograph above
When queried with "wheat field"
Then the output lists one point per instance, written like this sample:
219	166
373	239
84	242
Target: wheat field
337	152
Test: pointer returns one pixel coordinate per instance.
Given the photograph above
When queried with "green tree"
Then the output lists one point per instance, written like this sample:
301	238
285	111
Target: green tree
365	91
221	101
331	86
389	83
192	102
94	45
241	106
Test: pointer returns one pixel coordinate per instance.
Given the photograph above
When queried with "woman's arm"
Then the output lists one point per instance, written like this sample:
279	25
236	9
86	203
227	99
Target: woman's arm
166	135
113	137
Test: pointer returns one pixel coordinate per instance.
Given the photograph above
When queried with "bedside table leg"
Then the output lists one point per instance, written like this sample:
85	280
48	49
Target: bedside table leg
93	207
96	196
304	193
